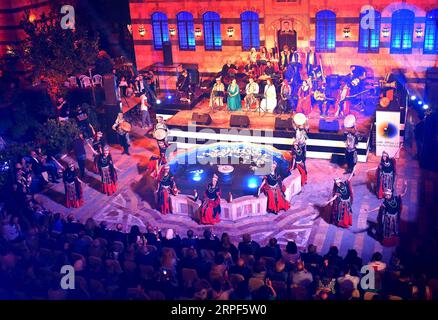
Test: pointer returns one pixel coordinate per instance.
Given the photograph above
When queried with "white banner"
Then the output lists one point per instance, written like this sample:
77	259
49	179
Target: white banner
387	132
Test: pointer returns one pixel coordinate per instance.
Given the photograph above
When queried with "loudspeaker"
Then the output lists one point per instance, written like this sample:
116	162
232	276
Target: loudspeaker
167	53
110	87
203	118
328	126
239	121
338	159
111	112
285	124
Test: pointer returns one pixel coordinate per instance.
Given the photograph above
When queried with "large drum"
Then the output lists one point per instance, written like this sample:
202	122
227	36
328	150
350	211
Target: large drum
349	121
300	119
125	126
160	134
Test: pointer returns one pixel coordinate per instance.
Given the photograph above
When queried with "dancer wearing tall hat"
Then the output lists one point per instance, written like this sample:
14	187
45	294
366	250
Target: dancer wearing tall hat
107	172
272	186
342	200
72	187
389	217
217	95
299	161
166	188
211	205
351	142
385	173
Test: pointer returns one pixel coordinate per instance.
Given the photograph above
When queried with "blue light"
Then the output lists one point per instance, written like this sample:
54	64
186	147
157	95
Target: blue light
252	183
426	106
158	101
420	103
169	97
197	175
413	98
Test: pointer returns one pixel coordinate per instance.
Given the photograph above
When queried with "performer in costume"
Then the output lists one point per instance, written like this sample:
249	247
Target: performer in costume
304	100
107	172
301	136
166	187
342	214
389	217
299	161
211	206
233	102
342	102
385	173
217	95
270	100
321	100
311	61
183	86
285	57
123	135
285	101
97	146
252	88
272	186
351	141
72	187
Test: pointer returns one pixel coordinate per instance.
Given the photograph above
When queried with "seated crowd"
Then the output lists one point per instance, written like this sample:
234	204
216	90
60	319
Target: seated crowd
110	263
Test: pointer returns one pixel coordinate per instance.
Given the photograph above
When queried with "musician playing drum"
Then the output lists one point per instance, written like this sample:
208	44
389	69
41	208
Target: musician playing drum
252	88
122	127
217	95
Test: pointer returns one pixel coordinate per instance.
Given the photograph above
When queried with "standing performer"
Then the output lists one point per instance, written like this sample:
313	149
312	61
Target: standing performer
272	186
285	57
217	95
285	101
122	127
183	86
270	100
234	103
97	148
311	61
166	187
146	122
342	214
299	161
252	88
73	188
351	141
304	100
107	172
385	173
342	103
211	206
389	217
301	126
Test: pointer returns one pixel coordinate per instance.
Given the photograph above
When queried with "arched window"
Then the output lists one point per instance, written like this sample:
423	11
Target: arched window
160	29
369	32
186	31
212	31
325	31
402	31
431	32
250	30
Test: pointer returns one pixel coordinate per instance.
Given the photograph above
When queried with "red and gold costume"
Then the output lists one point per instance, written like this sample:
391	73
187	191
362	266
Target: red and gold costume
211	207
272	187
342	214
166	187
385	175
388	219
108	174
299	162
304	99
73	189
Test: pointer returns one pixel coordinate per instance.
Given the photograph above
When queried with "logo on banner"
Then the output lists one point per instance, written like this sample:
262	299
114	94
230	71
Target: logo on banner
387	130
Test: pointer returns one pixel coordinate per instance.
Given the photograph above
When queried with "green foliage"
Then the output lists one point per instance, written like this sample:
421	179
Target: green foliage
57	136
13	152
53	53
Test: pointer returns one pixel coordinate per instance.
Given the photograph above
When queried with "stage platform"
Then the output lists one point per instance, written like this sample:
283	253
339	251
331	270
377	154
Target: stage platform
321	145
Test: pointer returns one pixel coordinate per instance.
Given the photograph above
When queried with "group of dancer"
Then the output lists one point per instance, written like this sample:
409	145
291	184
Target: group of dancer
283	85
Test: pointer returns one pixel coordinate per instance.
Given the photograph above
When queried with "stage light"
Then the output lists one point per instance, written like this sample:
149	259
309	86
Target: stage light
419	31
420	103
426	106
198	32
158	101
252	183
230	32
197	175
141	30
172	31
385	32
347	32
169	97
413	98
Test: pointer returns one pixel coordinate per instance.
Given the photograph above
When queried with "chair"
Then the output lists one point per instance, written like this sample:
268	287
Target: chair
254	284
280	288
189	277
86	82
97	80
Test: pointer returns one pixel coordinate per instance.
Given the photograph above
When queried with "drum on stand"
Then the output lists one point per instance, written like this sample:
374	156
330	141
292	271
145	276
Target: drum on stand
125	126
300	119
160	134
349	121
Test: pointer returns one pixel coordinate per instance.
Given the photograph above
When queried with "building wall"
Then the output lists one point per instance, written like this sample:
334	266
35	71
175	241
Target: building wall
271	11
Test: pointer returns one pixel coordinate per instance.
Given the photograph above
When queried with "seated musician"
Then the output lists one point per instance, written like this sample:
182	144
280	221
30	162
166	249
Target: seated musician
217	95
269	70
321	99
264	57
285	101
252	88
227	67
253	56
183	86
357	74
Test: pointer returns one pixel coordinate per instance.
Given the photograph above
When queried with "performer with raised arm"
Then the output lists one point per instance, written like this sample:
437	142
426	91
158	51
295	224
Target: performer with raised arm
72	187
342	212
304	99
301	126
217	95
211	205
270	100
166	187
272	186
351	141
107	172
299	161
233	102
252	88
389	216
285	101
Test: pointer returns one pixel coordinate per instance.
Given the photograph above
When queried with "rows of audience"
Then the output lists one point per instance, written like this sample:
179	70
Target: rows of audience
110	263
